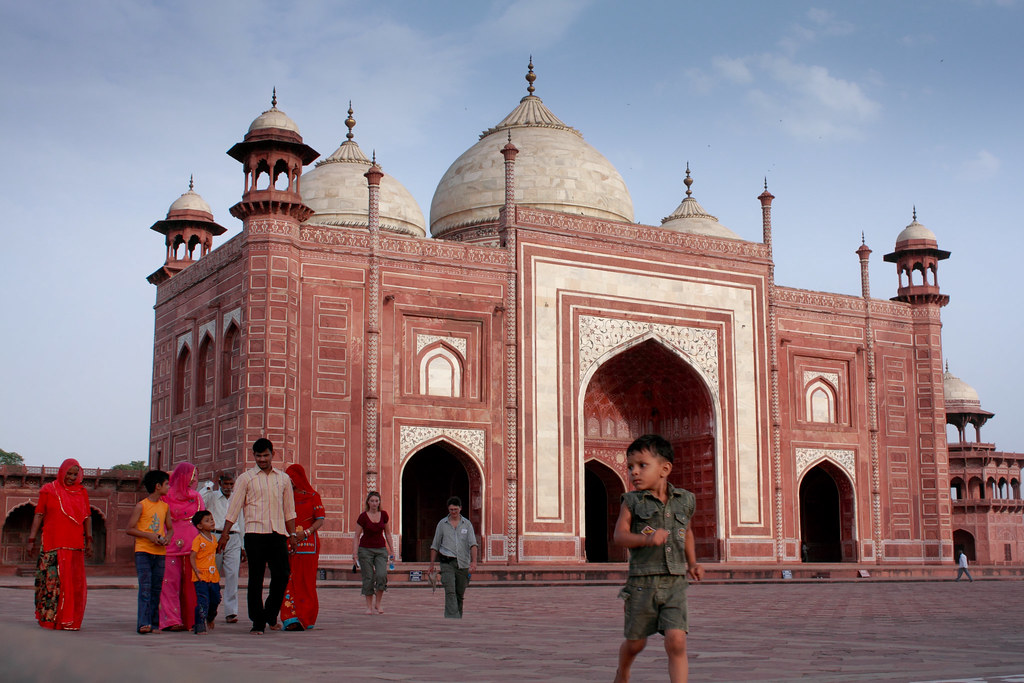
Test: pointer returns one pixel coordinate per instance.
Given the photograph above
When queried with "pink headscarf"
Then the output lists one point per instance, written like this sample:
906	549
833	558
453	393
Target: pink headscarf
183	500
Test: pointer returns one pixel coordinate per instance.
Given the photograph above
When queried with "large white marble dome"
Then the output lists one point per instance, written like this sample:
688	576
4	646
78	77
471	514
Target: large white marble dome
337	191
555	169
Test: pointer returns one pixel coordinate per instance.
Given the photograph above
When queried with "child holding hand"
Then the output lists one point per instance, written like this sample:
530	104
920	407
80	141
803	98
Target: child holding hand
148	524
205	576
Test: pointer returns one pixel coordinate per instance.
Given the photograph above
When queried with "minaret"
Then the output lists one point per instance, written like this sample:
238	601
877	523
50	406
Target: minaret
188	233
863	252
272	155
371	401
917	257
508	308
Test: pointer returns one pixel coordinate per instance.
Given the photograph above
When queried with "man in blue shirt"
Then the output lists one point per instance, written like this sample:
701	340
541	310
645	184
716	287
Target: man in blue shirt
456	547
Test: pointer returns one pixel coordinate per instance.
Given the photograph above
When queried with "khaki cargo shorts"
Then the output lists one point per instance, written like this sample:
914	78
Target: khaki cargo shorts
654	604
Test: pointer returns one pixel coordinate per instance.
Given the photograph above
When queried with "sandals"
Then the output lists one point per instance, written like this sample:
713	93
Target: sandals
143	630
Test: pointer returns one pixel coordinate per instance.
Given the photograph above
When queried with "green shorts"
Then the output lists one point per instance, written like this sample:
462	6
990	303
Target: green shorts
654	604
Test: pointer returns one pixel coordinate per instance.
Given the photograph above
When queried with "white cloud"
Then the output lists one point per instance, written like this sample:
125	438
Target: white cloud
734	70
984	166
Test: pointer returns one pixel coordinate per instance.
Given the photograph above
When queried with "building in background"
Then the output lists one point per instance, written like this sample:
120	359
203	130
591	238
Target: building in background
511	356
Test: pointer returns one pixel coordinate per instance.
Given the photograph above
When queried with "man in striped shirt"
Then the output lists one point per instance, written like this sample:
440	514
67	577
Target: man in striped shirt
264	495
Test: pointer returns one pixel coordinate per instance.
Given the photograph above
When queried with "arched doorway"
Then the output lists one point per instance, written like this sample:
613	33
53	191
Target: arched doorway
99	539
16	528
826	516
964	540
647	389
435	473
602	491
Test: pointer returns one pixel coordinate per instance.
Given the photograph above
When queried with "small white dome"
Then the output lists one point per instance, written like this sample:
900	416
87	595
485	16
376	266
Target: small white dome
337	192
555	170
960	396
690	217
916	232
190	201
274	118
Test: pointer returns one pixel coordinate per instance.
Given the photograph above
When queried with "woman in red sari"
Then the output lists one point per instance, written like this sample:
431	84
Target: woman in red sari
300	606
63	513
178	595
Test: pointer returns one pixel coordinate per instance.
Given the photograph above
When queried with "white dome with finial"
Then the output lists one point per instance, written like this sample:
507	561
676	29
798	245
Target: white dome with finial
337	191
190	201
555	169
960	396
690	217
273	118
915	232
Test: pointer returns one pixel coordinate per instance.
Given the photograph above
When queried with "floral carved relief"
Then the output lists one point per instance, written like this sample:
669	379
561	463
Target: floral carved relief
846	460
473	440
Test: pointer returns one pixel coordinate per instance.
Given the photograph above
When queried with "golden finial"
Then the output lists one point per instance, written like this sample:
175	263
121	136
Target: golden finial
350	122
374	156
273	100
766	183
862	241
190	184
947	365
915	213
530	77
688	180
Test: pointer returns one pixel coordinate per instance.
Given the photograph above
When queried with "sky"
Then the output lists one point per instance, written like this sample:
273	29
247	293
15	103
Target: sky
855	113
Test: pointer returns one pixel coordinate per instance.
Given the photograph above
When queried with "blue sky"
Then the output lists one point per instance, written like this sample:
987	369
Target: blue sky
855	112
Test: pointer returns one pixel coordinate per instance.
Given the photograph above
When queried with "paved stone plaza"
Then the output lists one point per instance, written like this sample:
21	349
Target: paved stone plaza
899	631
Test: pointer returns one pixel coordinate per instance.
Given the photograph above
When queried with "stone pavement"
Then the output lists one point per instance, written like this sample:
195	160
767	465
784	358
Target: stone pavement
892	631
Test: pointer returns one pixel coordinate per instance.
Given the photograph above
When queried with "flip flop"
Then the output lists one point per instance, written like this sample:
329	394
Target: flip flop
254	632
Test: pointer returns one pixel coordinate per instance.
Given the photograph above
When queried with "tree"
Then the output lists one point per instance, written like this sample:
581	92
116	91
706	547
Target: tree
10	458
133	465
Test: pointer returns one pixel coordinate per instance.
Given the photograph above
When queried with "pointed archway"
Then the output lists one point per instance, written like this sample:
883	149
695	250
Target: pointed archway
964	540
649	388
602	491
99	538
15	533
431	476
827	516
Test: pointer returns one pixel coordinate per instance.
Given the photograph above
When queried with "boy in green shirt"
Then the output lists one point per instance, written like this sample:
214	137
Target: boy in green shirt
654	523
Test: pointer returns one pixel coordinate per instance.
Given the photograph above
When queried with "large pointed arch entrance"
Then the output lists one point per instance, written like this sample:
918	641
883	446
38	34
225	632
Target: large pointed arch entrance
646	389
827	516
431	476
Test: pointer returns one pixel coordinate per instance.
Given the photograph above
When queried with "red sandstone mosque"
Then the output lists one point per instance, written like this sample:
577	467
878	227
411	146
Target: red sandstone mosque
511	356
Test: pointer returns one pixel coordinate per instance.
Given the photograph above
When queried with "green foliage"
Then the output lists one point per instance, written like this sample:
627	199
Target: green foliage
10	458
133	465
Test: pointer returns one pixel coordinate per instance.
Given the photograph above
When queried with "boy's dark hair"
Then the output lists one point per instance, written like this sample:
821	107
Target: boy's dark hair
198	517
655	445
154	478
454	500
262	444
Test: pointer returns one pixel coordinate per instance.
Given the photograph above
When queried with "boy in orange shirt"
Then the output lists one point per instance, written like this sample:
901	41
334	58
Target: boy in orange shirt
148	524
204	571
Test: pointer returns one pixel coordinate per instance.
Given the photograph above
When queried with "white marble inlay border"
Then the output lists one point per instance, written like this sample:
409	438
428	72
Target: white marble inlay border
846	460
599	335
209	328
831	377
184	339
423	340
473	440
235	316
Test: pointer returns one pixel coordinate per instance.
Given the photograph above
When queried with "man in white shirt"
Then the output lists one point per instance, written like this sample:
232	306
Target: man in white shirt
227	562
265	495
962	567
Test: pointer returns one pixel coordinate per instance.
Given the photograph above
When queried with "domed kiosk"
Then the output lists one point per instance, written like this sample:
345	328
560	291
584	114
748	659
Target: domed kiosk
556	169
336	191
690	217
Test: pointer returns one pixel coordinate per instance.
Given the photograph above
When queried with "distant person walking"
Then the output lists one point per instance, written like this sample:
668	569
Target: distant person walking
962	567
373	545
456	547
64	515
265	495
217	502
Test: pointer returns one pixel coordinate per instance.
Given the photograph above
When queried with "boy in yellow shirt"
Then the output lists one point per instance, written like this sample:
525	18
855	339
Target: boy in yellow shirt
148	524
204	571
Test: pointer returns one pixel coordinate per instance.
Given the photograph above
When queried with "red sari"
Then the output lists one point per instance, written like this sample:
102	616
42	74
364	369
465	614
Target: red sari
178	594
300	607
60	574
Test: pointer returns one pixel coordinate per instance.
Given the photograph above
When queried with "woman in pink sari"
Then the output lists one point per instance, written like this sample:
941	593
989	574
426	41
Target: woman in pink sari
178	595
63	513
300	607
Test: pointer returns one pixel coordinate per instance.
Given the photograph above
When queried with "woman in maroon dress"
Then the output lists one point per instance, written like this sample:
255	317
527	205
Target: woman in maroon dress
374	543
